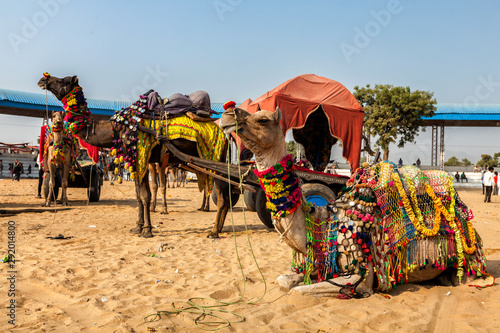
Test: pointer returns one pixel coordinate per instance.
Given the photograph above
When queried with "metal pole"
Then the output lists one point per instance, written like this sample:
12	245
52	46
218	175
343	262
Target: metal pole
434	146
441	148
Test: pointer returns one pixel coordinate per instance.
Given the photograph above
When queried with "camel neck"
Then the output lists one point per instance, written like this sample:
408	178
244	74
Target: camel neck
77	114
267	158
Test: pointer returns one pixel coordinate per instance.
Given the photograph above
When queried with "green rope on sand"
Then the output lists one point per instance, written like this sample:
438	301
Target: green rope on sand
209	311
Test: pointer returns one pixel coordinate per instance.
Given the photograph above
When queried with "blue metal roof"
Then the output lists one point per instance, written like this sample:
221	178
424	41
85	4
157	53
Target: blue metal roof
467	112
28	100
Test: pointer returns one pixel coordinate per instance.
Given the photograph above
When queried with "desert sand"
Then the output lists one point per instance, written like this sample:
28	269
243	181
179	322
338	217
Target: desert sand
104	279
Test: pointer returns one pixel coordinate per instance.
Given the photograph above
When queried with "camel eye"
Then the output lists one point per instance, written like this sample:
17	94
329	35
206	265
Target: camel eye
263	121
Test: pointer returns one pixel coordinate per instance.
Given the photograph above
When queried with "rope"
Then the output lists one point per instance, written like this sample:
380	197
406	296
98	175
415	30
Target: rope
205	311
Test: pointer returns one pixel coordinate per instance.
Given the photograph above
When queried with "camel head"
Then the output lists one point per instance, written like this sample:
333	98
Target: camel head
57	118
260	132
60	87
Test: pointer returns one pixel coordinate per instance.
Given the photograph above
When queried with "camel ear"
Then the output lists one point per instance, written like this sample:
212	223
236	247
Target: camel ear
277	114
74	79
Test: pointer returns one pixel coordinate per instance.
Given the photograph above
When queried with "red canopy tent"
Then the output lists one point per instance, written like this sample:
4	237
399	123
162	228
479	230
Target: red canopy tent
305	101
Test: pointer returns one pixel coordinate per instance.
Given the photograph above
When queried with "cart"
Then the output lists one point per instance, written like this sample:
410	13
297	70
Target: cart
318	187
87	175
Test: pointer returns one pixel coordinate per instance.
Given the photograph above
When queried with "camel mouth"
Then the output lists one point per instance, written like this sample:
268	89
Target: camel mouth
228	129
43	85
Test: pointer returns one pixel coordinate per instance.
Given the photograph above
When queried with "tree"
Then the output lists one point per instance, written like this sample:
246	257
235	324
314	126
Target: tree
394	114
291	147
452	161
466	162
487	161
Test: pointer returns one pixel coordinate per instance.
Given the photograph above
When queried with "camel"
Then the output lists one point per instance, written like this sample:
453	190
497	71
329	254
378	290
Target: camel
346	248
58	154
102	134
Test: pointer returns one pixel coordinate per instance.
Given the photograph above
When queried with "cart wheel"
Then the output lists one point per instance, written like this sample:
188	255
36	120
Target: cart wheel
94	191
318	194
234	198
260	208
250	197
46	189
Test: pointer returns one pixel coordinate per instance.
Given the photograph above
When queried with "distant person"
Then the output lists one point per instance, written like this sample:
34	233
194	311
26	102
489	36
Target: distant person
464	177
1	169
476	169
40	181
495	183
29	169
488	184
457	177
17	171
482	179
418	162
400	163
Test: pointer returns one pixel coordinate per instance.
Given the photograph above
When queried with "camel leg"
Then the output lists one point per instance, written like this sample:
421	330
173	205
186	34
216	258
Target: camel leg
140	218
64	184
154	188
206	199
178	175
172	172
145	198
163	191
52	183
203	186
222	208
293	281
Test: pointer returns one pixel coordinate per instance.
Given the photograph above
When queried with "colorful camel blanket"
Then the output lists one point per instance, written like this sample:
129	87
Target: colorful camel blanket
400	220
208	136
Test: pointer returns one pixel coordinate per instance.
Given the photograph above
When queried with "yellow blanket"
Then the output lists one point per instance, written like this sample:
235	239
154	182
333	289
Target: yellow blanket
209	137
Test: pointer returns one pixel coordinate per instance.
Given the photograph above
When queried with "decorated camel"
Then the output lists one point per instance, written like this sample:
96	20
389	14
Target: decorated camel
137	148
389	226
59	152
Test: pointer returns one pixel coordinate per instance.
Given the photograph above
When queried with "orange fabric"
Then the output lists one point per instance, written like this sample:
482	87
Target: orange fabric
300	96
41	149
92	151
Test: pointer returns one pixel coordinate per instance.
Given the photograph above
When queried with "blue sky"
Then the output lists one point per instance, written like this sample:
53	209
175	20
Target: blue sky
238	49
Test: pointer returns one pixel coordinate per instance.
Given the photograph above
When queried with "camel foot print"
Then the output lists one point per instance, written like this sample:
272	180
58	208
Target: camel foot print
136	230
146	233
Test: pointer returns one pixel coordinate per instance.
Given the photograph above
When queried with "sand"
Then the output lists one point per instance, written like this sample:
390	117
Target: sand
104	279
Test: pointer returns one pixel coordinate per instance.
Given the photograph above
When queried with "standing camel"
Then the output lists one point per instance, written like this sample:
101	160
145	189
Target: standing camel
102	134
379	233
59	153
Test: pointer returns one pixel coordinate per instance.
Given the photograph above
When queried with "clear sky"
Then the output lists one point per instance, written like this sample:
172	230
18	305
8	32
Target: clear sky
239	49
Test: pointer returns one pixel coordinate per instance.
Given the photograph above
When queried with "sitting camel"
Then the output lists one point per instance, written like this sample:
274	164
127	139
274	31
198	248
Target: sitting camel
108	134
388	227
59	153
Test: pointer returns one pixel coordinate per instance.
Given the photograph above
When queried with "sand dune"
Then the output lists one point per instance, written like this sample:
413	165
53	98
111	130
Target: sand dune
104	279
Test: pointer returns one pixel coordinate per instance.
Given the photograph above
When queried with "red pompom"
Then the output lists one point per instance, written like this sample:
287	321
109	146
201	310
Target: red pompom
230	104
